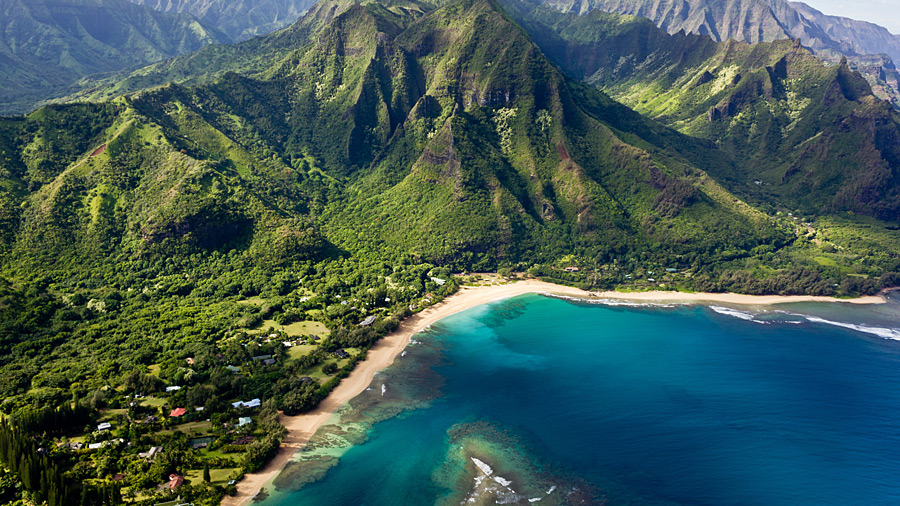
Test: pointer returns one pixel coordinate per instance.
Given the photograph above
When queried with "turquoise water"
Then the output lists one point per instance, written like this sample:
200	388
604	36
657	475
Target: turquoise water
624	405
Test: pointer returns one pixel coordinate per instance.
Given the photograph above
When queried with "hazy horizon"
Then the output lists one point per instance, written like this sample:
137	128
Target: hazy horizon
880	12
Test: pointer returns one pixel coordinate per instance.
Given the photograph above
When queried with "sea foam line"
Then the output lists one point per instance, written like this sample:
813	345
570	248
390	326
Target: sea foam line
886	333
613	302
750	317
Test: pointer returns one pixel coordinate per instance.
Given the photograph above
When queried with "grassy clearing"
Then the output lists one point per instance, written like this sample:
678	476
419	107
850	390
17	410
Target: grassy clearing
217	476
192	428
296	352
303	328
153	402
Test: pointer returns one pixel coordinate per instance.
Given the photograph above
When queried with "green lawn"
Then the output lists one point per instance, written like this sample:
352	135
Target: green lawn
108	414
303	328
153	402
298	351
829	262
192	428
218	476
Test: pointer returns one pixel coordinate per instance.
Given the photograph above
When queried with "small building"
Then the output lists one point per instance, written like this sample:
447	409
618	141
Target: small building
189	360
307	379
151	419
439	281
175	481
177	412
95	446
255	403
74	446
572	269
104	426
173	389
233	368
368	321
244	420
150	455
269	361
262	357
671	270
340	353
118	477
287	344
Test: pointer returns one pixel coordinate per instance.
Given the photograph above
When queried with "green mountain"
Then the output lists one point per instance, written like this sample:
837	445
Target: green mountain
755	21
210	62
405	135
47	46
808	136
239	19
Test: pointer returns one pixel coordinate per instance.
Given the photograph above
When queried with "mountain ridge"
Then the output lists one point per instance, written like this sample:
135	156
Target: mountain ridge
46	47
239	19
762	103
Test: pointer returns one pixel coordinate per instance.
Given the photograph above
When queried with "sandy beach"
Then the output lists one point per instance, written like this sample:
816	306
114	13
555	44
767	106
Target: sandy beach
302	427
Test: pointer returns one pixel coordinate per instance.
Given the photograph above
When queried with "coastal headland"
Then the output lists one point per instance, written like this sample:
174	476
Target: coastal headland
381	355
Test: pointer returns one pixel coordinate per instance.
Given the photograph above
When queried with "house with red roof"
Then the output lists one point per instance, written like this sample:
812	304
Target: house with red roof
175	481
177	412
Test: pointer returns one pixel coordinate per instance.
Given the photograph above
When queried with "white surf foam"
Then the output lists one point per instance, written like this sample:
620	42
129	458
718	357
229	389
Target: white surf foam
886	333
486	469
743	315
616	302
503	481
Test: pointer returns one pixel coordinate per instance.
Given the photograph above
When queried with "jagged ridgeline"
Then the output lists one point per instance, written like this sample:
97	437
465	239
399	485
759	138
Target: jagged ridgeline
803	135
442	134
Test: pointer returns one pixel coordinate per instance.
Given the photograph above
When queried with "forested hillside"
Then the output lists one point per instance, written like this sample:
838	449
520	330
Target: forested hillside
802	134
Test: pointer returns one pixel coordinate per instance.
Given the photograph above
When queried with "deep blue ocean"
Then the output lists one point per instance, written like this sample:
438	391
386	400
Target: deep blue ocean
577	403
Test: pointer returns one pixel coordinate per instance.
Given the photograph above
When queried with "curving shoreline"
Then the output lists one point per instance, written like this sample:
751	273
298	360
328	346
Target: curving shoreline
302	427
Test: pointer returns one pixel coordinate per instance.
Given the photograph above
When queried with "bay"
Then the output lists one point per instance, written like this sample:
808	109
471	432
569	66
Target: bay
622	404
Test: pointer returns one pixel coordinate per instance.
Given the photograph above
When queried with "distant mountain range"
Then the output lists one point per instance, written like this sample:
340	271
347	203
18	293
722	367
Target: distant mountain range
752	21
766	21
47	45
239	19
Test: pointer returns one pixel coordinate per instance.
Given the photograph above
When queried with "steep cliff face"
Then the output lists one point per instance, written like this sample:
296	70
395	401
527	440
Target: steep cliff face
802	133
752	21
830	37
